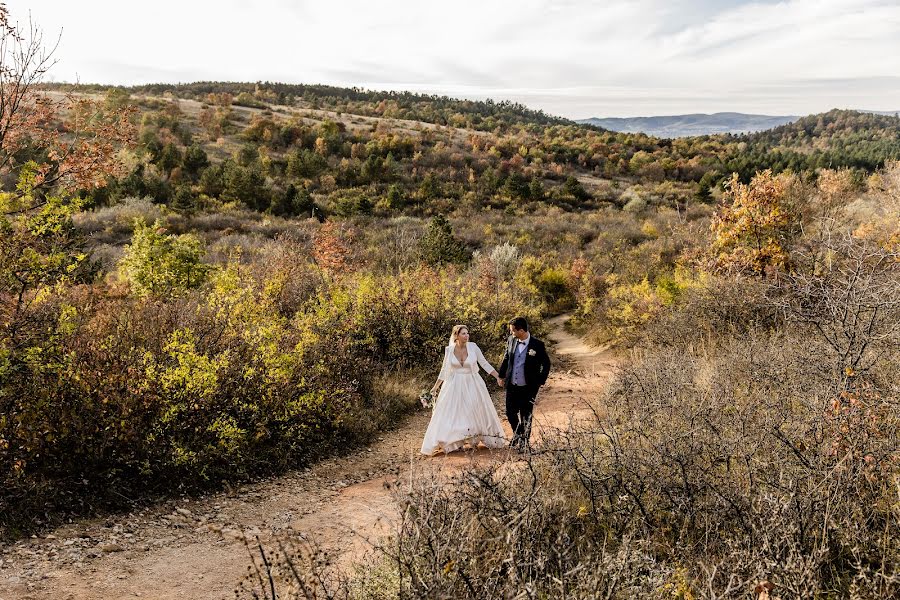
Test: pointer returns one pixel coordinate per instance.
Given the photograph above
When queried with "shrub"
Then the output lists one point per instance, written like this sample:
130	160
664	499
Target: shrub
549	284
259	369
161	265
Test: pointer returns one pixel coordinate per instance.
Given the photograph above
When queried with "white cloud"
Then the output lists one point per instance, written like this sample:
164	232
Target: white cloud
570	57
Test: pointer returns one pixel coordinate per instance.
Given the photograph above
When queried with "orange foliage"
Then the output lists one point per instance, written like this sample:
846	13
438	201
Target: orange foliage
78	136
331	249
754	227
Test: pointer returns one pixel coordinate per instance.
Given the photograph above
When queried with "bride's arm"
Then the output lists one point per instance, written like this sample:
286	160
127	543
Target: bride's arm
445	372
484	363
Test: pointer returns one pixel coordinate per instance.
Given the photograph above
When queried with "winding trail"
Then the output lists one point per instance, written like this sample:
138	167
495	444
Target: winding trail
193	548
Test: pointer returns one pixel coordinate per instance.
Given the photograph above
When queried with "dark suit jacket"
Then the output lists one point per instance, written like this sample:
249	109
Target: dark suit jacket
537	362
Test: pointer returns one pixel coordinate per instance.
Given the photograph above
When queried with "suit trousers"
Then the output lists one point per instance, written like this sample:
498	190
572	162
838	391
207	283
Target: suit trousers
519	407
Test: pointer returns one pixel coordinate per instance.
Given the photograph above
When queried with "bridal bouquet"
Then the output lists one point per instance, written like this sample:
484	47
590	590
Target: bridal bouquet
426	399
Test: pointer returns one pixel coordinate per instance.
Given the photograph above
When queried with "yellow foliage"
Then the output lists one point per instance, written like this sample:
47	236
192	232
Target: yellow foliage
754	227
649	229
631	305
678	587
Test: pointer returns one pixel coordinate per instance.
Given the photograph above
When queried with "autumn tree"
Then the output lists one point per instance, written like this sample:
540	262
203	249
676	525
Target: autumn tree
54	151
66	144
835	189
753	231
49	149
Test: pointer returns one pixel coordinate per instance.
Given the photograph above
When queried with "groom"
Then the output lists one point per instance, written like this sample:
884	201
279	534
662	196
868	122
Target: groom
524	370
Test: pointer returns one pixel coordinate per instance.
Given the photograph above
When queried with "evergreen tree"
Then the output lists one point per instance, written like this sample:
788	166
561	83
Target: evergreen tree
292	202
395	199
212	180
430	189
706	182
195	160
439	247
305	164
536	189
574	188
184	200
371	169
515	186
169	158
246	185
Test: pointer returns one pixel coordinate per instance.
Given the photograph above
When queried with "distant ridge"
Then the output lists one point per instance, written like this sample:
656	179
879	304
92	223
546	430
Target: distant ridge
694	124
673	126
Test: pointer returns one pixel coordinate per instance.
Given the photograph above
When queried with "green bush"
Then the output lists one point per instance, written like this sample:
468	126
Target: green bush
162	265
549	284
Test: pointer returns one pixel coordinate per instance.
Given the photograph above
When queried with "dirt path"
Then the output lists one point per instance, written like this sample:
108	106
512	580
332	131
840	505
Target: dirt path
192	549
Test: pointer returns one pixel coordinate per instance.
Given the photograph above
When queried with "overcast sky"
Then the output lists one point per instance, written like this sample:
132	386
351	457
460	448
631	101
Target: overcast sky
569	57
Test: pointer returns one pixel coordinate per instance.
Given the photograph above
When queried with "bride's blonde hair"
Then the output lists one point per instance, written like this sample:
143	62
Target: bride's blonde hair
455	333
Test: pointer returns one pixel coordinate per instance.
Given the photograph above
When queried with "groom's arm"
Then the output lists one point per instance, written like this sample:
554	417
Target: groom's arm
545	364
505	364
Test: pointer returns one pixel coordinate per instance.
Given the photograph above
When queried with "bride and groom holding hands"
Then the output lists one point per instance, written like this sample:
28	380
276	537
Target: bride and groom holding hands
463	410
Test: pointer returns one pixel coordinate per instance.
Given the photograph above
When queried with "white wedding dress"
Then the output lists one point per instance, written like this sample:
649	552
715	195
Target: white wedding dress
463	411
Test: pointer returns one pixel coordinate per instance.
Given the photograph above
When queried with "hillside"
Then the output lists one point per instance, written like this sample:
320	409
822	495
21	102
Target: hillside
482	115
292	149
838	138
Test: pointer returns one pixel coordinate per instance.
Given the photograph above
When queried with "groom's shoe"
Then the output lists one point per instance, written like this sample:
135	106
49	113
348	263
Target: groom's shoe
515	443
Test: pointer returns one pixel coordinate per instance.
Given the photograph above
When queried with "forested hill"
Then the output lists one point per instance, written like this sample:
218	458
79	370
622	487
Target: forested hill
481	115
834	125
838	138
280	148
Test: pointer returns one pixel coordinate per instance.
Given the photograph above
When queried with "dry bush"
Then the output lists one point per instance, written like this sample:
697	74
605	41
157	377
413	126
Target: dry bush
847	290
713	473
114	224
741	458
264	367
295	567
715	308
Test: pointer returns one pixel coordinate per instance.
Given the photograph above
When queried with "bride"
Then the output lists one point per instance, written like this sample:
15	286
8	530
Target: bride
463	411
